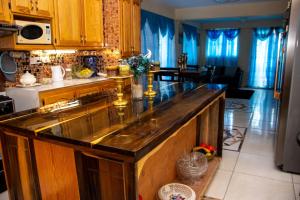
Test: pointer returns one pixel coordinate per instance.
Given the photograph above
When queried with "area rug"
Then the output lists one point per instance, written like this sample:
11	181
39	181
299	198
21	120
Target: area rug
233	138
237	105
239	93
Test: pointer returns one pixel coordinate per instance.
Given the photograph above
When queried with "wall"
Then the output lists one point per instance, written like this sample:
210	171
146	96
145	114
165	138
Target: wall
232	10
179	30
158	8
108	56
245	39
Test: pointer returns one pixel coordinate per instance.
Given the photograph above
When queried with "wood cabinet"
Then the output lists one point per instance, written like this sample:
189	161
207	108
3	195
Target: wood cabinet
68	25
130	27
70	93
78	23
4	11
93	23
40	8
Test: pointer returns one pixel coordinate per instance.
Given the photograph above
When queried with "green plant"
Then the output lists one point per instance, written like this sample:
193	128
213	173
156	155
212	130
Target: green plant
139	65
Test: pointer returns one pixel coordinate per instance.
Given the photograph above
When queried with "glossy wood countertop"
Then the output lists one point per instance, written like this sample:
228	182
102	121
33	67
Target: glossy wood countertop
131	131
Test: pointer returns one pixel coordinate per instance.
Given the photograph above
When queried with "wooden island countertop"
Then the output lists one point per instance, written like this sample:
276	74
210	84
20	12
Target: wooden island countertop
116	141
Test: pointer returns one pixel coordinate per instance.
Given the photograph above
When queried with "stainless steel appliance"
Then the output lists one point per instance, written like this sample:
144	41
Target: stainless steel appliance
33	32
287	154
6	107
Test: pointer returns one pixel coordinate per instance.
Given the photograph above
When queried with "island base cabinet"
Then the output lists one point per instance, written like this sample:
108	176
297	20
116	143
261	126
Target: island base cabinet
57	171
158	167
18	160
100	178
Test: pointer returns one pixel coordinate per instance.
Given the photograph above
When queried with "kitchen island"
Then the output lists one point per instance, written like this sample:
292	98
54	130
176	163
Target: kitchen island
98	151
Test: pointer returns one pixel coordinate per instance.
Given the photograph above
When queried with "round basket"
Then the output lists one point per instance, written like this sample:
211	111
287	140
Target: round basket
176	191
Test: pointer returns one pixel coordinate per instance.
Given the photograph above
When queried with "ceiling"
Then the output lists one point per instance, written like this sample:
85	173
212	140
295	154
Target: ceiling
177	4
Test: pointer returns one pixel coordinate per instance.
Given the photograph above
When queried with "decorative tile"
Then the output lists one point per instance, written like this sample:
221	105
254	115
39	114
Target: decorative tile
108	56
233	138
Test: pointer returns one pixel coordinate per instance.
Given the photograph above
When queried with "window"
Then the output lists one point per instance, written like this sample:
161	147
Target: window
158	36
190	44
222	47
264	57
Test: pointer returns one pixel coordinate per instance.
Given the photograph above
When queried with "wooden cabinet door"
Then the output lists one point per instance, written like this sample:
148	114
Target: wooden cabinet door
44	8
136	26
56	96
22	6
84	91
93	23
126	29
68	23
4	11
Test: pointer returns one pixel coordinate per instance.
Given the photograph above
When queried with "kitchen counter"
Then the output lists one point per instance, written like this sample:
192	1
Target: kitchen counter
125	146
28	98
132	130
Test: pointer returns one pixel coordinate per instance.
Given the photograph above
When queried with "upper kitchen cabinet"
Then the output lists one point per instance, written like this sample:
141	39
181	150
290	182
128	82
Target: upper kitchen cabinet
4	11
136	28
93	23
68	23
39	8
130	27
79	23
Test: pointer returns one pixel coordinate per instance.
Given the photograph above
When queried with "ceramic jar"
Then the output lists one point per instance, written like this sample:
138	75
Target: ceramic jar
27	79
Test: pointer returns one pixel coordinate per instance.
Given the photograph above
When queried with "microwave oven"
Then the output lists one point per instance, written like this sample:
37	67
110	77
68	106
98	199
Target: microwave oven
33	32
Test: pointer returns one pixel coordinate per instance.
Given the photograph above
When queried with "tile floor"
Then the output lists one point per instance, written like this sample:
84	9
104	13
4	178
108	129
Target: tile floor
251	174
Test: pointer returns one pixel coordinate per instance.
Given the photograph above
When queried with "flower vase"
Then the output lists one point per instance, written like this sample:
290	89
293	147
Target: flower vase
137	88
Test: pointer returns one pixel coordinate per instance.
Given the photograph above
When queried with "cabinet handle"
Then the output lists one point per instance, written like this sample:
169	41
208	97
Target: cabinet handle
81	38
85	38
36	5
32	5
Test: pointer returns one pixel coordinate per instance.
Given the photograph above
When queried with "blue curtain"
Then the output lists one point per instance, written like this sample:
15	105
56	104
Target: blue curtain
265	47
222	47
158	36
190	46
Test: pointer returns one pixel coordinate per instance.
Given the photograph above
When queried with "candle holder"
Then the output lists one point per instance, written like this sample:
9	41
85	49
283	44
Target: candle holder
150	92
120	93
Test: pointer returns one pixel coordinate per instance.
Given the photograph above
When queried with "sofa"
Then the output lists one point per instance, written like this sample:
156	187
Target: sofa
232	76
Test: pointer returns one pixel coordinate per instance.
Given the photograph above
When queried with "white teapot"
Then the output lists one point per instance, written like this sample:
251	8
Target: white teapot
27	79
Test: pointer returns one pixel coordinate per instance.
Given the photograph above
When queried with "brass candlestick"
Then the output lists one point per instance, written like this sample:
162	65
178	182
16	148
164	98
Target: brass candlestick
150	92
120	93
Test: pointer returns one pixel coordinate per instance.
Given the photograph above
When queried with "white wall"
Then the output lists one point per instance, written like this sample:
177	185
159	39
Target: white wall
158	8
232	10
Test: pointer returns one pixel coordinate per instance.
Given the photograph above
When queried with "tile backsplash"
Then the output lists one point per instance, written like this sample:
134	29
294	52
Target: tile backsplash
108	56
105	57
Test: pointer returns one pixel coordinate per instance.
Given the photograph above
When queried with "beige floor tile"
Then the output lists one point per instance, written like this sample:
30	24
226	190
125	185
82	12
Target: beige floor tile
218	187
263	125
246	187
4	196
297	191
260	166
229	160
259	144
296	178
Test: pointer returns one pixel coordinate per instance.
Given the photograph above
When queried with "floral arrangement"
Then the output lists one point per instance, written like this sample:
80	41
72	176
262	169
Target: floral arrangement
140	64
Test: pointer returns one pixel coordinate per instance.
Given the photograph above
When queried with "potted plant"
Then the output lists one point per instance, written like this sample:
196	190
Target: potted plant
139	66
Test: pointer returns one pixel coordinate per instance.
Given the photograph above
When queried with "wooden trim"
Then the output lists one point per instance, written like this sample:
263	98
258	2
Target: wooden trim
221	124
